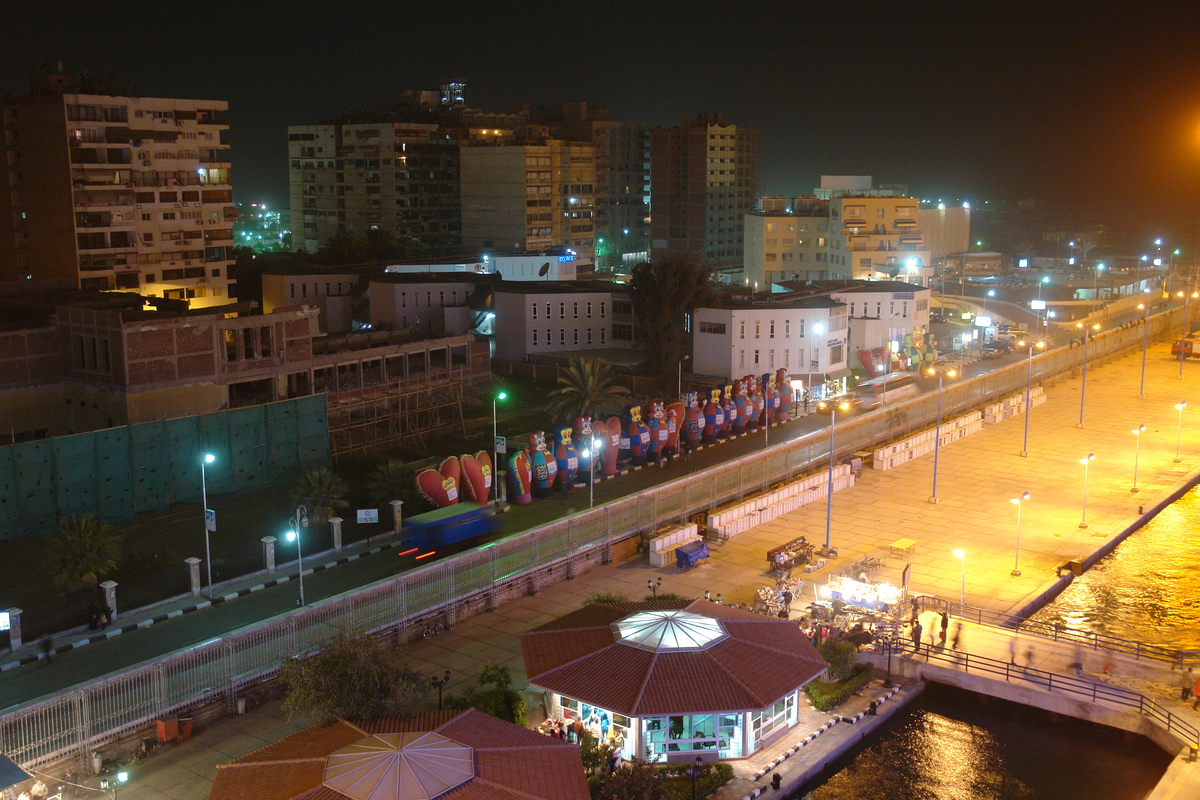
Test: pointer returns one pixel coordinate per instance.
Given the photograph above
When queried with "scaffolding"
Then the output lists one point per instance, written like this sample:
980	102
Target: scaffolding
388	414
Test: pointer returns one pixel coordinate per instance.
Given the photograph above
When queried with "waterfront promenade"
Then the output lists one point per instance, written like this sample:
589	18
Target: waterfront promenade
977	478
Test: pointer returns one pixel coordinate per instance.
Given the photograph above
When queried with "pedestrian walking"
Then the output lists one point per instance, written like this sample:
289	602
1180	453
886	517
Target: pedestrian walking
1078	663
945	627
916	637
1186	681
787	600
47	646
1029	655
1012	650
958	632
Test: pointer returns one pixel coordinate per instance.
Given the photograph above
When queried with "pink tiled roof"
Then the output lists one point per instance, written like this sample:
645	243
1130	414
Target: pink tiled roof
511	762
763	659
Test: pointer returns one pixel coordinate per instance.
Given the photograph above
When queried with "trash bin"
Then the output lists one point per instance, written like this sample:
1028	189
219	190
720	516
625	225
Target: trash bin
241	705
168	729
185	728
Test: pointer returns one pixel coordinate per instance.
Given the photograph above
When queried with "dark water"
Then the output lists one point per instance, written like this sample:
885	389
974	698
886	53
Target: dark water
1148	589
955	745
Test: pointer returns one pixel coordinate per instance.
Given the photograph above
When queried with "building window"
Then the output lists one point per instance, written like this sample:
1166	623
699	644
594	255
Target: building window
772	329
589	309
741	359
534	306
562	337
711	327
787	329
547	311
835	355
562	310
535	344
575	311
603	335
602	309
756	358
757	329
622	333
575	337
742	329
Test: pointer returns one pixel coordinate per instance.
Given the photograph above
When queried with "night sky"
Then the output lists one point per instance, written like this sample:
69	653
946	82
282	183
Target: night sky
1074	102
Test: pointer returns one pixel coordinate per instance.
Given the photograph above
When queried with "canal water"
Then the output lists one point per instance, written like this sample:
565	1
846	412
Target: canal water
954	744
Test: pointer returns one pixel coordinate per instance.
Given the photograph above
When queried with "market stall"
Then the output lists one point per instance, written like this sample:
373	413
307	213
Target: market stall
860	594
785	556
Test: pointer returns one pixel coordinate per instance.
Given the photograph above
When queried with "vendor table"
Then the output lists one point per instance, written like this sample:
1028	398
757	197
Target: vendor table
689	555
799	551
903	547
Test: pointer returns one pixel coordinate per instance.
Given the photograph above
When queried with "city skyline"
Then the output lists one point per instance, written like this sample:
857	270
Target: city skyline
1002	102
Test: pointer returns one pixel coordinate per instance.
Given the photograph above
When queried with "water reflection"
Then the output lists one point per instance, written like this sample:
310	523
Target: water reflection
1148	589
954	744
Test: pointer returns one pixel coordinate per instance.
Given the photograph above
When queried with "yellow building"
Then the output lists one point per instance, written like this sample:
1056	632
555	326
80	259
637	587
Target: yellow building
878	237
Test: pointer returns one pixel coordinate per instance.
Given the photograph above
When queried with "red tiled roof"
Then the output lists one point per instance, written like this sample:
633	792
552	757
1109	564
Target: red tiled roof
511	762
762	660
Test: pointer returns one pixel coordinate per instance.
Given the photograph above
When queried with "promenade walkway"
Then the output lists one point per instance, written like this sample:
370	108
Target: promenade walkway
977	478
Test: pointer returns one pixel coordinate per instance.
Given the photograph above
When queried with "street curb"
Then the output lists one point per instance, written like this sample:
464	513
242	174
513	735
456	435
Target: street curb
199	604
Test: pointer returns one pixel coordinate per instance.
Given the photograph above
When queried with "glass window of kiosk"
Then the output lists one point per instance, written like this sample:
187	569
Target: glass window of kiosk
769	720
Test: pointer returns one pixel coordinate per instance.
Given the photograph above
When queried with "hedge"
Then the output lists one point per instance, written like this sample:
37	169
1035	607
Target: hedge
825	696
713	776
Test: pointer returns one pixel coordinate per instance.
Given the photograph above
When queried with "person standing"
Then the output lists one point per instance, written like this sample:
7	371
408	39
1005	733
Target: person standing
1012	650
916	637
47	646
1186	681
945	627
38	790
787	600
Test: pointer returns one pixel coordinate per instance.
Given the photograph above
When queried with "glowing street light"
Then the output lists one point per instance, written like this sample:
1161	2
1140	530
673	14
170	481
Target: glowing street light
1137	450
1083	523
1087	334
842	406
1145	345
962	591
1180	406
937	432
1028	390
1017	501
293	535
1096	280
210	519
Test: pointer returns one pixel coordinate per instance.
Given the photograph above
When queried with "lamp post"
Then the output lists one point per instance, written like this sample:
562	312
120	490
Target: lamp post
1087	462
1017	501
843	406
653	587
1137	450
1083	386
962	588
1145	345
1096	281
496	449
1186	295
937	433
293	534
439	684
1180	406
207	458
693	770
1028	390
679	380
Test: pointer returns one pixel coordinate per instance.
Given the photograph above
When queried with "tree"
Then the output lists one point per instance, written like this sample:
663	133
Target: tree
354	677
664	291
587	388
83	551
322	494
395	480
636	780
341	249
494	695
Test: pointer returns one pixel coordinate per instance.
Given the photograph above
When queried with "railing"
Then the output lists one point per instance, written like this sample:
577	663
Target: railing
77	722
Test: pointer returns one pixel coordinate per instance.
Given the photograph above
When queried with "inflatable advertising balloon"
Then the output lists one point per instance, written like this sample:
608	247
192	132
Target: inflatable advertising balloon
783	384
566	458
610	430
674	419
693	419
741	413
520	478
477	476
754	401
543	464
658	431
770	393
714	416
730	411
639	436
582	433
440	486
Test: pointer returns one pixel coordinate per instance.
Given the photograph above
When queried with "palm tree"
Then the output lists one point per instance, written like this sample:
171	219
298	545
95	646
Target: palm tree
82	552
321	492
394	480
587	388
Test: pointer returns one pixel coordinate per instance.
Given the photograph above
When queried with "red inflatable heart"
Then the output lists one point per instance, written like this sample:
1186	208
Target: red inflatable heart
477	476
440	486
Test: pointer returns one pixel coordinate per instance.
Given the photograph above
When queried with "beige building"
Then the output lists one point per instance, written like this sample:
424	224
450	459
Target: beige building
530	197
105	192
784	245
947	230
878	237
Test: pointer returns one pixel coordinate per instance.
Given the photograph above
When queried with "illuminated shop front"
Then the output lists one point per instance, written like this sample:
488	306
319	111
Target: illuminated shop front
705	680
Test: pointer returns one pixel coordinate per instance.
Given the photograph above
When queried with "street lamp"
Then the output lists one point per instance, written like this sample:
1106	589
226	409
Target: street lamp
679	381
119	780
1137	450
693	770
439	683
207	458
1017	501
1186	295
1028	390
937	433
962	589
653	587
833	409
1087	462
1179	428
1145	344
496	450
293	534
1083	385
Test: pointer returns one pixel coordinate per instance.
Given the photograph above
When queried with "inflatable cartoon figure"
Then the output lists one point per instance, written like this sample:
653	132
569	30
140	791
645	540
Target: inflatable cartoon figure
741	412
714	416
583	442
754	401
693	419
639	436
783	383
567	460
730	411
658	431
543	463
520	474
611	432
770	395
674	419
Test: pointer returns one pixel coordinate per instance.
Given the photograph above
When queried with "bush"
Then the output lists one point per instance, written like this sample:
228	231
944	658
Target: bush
713	775
606	598
665	598
840	655
825	696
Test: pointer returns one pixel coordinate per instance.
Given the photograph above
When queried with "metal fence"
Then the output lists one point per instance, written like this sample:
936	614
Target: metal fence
81	721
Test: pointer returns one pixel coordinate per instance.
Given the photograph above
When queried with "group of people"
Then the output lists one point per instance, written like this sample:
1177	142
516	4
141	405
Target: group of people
938	635
596	727
38	791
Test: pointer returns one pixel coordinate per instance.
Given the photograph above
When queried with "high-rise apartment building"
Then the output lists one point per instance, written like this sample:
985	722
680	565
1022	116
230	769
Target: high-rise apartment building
352	177
704	179
102	191
530	197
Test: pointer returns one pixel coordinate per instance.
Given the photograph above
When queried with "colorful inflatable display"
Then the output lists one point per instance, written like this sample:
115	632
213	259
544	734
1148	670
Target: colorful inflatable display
566	458
693	419
543	463
520	478
612	448
657	426
638	435
477	476
783	383
440	486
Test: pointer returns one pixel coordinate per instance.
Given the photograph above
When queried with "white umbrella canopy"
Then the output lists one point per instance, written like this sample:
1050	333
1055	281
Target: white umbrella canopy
399	766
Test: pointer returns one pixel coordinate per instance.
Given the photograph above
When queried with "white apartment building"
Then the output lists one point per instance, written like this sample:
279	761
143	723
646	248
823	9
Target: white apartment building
534	318
555	264
877	238
807	337
882	313
106	192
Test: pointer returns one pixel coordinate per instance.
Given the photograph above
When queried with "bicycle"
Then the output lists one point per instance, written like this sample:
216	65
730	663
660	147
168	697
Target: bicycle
436	629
